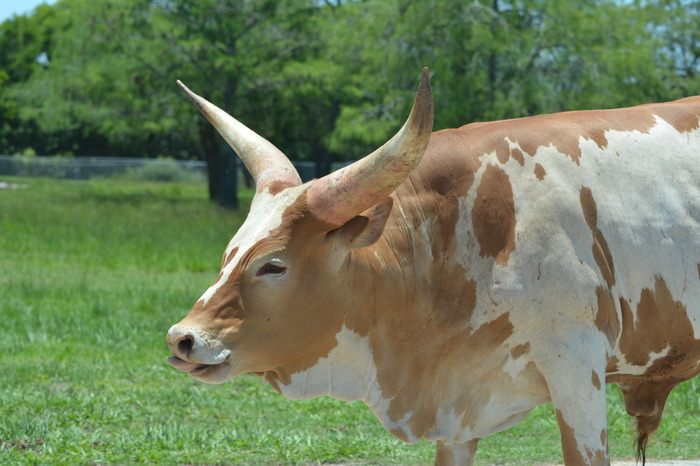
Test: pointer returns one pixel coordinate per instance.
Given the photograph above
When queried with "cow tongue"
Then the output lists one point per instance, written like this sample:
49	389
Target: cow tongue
182	365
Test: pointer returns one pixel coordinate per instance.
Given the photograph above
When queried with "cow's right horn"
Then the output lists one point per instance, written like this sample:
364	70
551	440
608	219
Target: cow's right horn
265	162
338	197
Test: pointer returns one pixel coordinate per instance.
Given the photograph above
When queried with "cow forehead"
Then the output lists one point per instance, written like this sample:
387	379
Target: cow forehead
266	215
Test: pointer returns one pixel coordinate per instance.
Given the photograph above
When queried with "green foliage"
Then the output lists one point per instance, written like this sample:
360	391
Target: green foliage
99	94
22	40
95	272
326	80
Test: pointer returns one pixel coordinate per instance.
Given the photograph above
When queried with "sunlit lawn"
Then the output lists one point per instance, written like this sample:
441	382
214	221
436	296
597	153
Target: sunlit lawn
92	275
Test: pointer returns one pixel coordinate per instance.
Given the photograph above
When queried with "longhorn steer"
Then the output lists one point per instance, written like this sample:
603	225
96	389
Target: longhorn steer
455	281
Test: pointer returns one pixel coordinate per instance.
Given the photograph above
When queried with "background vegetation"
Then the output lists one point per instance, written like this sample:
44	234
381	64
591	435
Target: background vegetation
93	273
323	80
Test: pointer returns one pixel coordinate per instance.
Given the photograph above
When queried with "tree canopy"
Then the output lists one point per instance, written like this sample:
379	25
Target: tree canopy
323	80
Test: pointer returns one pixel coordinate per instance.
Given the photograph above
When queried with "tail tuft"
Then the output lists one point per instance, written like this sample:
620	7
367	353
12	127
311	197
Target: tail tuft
645	402
641	442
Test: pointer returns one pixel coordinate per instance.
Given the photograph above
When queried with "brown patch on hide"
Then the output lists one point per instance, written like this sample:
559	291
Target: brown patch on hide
454	453
612	366
677	116
277	187
606	318
445	170
417	373
598	457
228	257
627	317
493	215
572	454
601	251
595	380
422	232
518	156
540	172
460	296
662	325
433	192
571	450
602	456
661	322
604	438
564	131
520	350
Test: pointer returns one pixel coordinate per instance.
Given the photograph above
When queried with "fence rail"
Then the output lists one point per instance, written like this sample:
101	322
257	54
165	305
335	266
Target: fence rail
80	168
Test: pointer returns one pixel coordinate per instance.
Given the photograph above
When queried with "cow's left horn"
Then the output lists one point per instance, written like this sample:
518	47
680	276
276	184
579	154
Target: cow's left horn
338	197
265	162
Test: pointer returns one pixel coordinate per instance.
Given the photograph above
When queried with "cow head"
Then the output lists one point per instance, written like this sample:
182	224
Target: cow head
278	298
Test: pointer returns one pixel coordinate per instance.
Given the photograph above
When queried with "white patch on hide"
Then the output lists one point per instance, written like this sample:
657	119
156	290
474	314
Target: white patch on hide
348	373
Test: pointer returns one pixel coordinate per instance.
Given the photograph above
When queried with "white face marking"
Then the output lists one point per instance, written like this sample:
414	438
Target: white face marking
265	216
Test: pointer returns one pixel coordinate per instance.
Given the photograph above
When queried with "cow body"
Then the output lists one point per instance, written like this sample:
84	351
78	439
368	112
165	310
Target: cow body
520	262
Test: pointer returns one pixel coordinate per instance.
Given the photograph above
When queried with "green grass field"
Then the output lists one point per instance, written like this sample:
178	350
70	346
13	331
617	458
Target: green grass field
92	275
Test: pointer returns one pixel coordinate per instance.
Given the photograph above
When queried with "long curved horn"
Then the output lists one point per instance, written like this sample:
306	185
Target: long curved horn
341	195
266	163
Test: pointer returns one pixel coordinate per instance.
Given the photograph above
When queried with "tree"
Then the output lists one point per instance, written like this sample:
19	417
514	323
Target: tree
25	46
494	59
322	80
101	91
108	87
237	53
673	25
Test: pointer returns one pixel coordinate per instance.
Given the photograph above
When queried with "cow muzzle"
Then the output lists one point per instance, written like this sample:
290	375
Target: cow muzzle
198	353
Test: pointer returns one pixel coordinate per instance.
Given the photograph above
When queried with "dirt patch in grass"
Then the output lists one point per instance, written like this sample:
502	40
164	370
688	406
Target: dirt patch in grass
22	444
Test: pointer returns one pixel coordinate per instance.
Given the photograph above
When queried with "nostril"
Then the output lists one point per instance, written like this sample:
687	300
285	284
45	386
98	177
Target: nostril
184	346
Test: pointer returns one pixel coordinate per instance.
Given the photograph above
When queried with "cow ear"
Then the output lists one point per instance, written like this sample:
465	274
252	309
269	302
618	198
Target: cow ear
366	228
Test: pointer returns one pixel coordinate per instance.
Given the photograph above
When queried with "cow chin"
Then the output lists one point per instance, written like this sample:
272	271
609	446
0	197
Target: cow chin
213	374
209	373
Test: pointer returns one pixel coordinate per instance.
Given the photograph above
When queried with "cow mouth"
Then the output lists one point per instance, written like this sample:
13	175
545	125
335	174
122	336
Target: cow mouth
193	368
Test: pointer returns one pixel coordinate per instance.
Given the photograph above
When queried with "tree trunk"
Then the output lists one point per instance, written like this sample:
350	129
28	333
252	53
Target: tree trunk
223	177
322	159
222	168
493	59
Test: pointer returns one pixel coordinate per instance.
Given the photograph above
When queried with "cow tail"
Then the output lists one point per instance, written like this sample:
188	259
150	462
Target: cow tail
641	441
646	401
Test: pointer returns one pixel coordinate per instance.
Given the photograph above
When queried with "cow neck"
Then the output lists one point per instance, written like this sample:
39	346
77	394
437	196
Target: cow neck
344	369
420	289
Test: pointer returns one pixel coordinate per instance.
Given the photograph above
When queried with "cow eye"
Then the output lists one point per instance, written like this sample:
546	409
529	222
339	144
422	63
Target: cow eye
271	269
